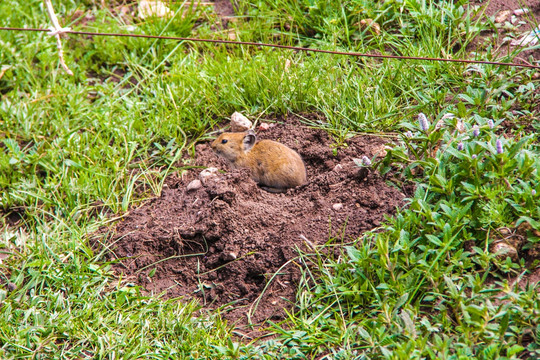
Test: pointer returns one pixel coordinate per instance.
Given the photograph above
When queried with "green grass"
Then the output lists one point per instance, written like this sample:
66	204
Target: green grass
74	150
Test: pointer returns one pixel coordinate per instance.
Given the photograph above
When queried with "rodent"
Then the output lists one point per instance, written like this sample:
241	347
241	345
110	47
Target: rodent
274	166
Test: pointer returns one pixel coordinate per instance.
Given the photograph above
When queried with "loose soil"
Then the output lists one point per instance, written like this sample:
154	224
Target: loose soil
230	242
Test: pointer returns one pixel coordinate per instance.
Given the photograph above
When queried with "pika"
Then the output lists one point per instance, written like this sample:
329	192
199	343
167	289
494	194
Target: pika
274	166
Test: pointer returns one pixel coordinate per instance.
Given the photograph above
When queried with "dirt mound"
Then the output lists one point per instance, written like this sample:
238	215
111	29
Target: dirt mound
225	241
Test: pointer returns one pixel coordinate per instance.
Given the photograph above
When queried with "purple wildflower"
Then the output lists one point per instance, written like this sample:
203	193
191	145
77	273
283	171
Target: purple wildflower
474	156
499	146
533	192
409	134
366	161
460	146
476	131
424	124
490	124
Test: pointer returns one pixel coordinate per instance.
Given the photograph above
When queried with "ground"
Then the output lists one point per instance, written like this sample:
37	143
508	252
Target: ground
230	243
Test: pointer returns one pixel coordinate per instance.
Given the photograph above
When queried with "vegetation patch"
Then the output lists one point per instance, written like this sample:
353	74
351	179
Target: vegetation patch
452	273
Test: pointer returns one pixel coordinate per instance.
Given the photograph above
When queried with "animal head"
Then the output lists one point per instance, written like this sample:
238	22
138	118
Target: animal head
232	145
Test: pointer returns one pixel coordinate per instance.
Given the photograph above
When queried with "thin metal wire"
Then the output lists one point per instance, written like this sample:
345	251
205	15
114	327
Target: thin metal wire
296	48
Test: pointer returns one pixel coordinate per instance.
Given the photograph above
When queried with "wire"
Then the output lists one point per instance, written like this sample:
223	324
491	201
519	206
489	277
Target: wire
296	48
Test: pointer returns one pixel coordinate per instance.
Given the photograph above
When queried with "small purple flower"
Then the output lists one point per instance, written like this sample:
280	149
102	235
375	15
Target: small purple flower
409	134
460	146
476	131
490	124
424	124
366	161
474	156
499	146
533	192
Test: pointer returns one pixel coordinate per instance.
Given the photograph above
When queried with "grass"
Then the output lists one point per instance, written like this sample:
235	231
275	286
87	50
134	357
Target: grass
74	150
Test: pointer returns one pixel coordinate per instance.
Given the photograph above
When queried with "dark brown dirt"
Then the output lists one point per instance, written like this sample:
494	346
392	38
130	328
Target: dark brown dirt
226	241
13	218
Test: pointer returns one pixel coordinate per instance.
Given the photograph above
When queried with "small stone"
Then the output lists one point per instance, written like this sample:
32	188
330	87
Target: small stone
208	173
503	250
229	256
519	12
194	185
338	206
231	34
338	167
240	123
502	16
264	126
371	25
11	286
381	151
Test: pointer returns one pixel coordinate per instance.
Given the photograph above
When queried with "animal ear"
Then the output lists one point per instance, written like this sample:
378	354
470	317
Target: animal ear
249	140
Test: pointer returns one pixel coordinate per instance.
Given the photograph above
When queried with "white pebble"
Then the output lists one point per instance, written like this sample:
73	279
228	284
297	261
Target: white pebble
502	16
208	173
337	206
194	185
264	126
230	256
519	12
240	123
502	250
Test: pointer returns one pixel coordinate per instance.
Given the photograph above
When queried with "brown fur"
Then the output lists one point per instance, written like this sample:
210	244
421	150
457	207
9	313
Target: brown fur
273	165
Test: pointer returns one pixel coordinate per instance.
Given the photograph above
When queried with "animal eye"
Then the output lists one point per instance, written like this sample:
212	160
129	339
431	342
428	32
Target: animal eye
224	141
